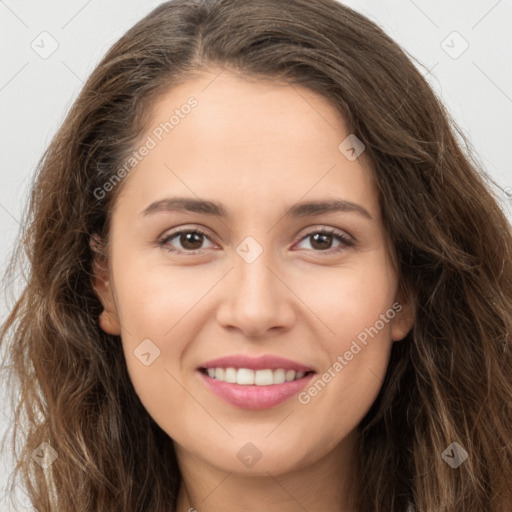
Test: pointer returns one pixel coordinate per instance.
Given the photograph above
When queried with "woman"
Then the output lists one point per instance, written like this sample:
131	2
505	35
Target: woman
263	275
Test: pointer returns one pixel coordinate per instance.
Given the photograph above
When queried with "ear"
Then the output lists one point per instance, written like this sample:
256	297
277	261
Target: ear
404	318
101	283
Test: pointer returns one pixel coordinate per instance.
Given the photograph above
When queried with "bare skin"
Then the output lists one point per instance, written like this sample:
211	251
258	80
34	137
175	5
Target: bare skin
257	148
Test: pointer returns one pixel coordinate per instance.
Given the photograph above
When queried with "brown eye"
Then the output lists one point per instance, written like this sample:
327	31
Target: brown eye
322	241
190	240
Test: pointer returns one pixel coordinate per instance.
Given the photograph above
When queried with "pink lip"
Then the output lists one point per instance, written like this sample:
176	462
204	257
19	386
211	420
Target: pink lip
256	363
255	397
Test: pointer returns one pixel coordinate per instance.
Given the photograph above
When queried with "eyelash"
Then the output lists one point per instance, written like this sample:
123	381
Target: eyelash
345	241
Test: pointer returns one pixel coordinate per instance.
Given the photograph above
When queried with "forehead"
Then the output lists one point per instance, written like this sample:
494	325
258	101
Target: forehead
244	137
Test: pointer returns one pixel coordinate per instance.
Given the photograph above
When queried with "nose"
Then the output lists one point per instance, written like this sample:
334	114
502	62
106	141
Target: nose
256	298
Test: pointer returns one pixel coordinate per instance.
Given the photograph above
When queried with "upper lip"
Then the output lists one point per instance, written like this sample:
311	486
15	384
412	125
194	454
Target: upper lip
256	363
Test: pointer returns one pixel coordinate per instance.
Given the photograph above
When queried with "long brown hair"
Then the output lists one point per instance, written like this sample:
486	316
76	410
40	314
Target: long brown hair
449	380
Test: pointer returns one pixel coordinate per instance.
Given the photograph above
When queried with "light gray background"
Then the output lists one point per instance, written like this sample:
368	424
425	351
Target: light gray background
36	92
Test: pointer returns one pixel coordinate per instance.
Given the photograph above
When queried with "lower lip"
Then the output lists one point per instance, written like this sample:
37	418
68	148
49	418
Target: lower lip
255	397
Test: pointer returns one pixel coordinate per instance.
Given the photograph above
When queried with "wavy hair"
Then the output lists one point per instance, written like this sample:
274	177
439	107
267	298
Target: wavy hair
449	380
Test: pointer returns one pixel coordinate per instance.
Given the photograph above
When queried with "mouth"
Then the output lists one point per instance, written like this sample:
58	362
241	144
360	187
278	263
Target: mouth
249	377
255	383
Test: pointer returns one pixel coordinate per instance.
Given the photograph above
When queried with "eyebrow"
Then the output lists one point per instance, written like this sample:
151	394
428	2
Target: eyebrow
305	209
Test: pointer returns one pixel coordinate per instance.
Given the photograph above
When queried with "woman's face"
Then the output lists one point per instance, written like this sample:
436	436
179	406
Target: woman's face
257	282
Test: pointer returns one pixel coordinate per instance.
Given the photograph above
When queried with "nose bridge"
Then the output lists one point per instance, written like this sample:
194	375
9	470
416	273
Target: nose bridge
256	300
254	280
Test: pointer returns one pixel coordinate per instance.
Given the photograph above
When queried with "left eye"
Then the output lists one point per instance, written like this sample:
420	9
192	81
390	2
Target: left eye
192	239
325	237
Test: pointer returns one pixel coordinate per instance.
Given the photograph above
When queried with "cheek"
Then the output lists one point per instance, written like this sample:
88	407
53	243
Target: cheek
153	297
350	299
161	304
356	305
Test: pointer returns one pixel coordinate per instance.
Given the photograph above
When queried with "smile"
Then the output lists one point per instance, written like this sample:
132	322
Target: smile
248	377
256	396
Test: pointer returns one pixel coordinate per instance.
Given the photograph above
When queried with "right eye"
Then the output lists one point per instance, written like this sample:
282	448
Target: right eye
189	239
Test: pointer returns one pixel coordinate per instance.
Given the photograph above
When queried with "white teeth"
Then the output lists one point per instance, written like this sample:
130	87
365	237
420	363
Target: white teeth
247	377
264	377
244	376
279	376
290	375
230	375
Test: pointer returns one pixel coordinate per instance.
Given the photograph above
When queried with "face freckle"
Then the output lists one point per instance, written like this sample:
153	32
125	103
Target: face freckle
270	275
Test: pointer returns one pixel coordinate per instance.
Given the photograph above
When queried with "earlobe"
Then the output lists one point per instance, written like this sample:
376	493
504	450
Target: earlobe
101	284
403	321
109	323
401	328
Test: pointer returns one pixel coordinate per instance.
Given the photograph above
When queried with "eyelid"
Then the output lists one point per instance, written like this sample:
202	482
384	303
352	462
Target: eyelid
323	228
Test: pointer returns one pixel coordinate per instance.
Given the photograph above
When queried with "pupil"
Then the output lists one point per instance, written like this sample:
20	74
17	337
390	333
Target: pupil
188	238
325	237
